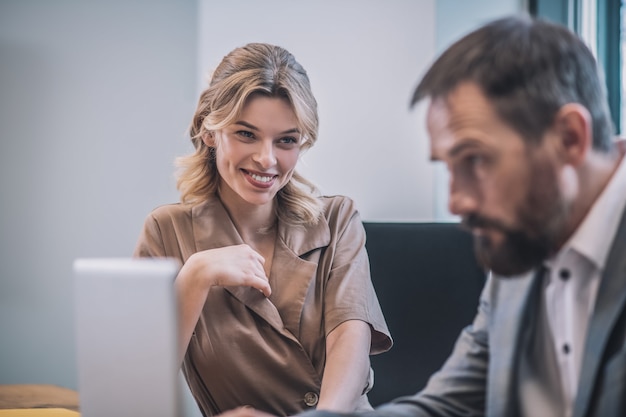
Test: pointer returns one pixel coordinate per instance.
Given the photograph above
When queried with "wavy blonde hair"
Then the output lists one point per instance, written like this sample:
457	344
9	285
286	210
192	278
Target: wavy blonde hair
259	69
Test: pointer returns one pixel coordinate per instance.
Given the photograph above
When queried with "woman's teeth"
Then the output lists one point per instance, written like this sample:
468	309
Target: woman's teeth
261	178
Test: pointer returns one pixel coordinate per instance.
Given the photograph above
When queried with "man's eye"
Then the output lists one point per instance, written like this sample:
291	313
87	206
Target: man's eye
476	160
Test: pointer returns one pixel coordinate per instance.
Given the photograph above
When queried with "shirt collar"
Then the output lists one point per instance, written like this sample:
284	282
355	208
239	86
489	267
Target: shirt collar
213	228
593	238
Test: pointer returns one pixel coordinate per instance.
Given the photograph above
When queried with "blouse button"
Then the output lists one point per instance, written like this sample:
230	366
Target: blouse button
310	399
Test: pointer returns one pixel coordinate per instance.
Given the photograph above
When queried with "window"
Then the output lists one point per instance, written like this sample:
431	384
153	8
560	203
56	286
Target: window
610	43
601	24
623	67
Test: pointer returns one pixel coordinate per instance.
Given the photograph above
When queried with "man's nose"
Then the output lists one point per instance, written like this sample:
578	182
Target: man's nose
462	199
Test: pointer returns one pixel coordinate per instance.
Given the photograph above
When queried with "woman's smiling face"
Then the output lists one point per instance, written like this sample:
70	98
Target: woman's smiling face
257	154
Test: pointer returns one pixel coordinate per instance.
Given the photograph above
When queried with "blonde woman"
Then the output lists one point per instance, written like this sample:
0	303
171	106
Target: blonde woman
277	309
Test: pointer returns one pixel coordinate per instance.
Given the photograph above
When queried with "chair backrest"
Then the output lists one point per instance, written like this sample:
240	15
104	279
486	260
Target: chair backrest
428	283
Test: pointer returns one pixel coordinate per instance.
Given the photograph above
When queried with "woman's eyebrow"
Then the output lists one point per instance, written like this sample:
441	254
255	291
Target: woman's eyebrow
246	124
253	127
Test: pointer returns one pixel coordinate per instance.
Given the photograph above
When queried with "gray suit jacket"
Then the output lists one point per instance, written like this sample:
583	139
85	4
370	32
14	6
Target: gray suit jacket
480	377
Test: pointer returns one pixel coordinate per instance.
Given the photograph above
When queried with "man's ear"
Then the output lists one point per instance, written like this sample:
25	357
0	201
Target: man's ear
573	126
620	142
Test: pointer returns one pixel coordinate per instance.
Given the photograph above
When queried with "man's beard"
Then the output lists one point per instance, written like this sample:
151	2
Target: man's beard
517	253
541	220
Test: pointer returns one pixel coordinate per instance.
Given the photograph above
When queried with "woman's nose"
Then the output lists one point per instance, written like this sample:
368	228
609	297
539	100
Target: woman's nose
264	154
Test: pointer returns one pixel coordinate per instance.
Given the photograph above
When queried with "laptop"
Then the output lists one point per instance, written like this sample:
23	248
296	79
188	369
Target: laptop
126	337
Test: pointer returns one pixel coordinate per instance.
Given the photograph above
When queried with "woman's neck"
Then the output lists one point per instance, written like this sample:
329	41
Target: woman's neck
256	226
253	222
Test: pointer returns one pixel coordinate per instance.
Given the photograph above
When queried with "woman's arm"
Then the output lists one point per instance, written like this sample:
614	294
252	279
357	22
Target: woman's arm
237	265
191	294
347	366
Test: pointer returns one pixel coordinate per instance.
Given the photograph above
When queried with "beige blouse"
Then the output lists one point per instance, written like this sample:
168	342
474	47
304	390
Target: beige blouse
269	353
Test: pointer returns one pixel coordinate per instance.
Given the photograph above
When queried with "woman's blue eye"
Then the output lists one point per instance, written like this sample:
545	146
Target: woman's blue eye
288	139
245	134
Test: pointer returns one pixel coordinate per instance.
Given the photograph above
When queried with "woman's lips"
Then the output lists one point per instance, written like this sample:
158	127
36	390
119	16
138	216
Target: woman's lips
260	180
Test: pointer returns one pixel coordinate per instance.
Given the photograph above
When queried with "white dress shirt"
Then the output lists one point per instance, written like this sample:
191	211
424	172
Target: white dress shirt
574	278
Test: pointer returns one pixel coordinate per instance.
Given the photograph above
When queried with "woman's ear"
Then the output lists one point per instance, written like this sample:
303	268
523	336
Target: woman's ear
574	128
209	139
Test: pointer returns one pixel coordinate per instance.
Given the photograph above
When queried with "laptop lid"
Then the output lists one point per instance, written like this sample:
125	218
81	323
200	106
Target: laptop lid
126	337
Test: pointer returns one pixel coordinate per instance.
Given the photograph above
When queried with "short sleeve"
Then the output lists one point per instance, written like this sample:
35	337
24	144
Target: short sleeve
150	243
167	232
350	294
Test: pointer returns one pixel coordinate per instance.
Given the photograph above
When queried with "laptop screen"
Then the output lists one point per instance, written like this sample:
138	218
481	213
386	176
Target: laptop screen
126	337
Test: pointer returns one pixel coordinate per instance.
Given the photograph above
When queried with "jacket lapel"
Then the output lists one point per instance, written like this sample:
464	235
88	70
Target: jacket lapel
290	276
290	279
212	226
609	304
517	299
293	272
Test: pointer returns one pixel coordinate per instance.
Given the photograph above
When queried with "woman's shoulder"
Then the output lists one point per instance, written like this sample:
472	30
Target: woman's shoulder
337	203
339	210
171	212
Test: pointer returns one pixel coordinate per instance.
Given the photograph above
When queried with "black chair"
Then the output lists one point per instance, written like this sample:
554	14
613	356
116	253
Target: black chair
428	284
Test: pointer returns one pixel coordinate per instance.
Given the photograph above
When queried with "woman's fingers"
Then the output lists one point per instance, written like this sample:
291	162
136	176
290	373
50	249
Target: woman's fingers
238	265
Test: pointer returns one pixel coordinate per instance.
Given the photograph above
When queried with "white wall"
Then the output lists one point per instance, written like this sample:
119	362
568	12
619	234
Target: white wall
455	18
95	98
363	58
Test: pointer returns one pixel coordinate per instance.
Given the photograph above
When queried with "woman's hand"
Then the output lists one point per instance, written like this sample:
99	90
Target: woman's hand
245	412
238	265
235	266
